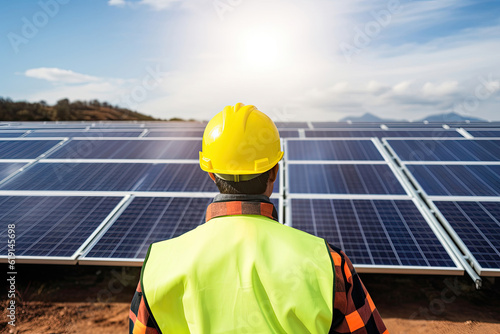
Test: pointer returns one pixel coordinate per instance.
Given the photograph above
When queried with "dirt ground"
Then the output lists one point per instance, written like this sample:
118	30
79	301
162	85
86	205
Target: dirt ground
81	299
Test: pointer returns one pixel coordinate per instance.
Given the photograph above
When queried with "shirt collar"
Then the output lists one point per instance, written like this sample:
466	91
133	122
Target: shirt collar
229	205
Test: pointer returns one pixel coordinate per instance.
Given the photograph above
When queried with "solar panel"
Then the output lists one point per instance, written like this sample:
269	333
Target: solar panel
7	169
52	226
447	150
373	232
458	180
343	179
170	124
112	177
56	133
129	149
24	149
478	225
474	125
147	220
332	150
381	133
10	134
289	133
176	133
483	133
291	125
90	133
340	125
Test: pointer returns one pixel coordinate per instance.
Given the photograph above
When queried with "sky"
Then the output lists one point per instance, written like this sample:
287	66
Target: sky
296	60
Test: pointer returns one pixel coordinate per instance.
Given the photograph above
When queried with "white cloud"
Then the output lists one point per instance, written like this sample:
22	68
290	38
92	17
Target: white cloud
154	4
307	77
116	3
58	75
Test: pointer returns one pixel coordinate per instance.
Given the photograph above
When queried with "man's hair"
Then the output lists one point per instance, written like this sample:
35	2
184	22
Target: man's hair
256	186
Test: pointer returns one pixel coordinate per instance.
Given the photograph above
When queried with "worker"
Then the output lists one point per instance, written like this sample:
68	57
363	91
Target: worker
242	271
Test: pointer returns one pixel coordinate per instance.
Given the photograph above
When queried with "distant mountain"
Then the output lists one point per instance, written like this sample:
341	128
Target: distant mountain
64	110
439	118
366	118
450	117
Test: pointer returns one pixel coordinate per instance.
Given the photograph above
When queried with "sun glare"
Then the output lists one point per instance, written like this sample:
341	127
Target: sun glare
262	48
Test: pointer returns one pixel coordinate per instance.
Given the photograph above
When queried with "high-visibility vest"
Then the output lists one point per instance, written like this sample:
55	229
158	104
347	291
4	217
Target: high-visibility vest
240	274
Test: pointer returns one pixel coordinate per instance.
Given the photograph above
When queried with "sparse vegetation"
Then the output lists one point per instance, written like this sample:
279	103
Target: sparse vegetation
64	110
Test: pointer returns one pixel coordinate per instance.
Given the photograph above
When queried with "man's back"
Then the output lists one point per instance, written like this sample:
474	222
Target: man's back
241	273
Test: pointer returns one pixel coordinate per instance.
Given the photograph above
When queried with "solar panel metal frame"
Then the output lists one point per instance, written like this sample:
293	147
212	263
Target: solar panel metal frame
57	259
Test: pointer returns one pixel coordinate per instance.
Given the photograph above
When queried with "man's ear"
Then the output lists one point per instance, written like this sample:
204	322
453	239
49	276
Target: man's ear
274	173
212	176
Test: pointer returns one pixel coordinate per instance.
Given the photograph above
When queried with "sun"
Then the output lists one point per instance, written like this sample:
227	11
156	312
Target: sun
262	47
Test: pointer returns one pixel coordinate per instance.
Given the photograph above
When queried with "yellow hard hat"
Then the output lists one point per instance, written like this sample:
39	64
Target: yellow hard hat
240	143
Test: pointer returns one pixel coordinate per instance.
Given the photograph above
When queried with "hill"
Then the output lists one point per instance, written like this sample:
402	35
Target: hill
366	118
64	110
451	117
439	118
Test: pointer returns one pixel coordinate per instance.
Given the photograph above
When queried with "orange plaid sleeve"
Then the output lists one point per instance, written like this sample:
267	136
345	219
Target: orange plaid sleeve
354	310
140	321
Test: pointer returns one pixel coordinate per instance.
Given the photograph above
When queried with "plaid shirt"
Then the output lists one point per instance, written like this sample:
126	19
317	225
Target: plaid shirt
354	310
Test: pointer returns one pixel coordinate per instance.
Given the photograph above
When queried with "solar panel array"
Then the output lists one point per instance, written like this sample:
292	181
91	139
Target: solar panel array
460	182
397	197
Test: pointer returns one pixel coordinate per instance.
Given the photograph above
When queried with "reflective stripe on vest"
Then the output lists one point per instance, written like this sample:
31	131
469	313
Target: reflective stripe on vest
240	274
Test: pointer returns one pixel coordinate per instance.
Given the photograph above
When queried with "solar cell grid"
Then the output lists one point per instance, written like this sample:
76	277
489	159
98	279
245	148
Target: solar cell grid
373	232
457	180
52	226
478	225
112	177
485	133
146	220
90	133
447	150
24	149
129	149
7	169
289	133
341	125
381	133
332	150
4	134
343	179
298	125
178	133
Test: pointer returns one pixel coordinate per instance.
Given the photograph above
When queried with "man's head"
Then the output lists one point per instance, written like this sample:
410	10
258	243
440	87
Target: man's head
241	150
